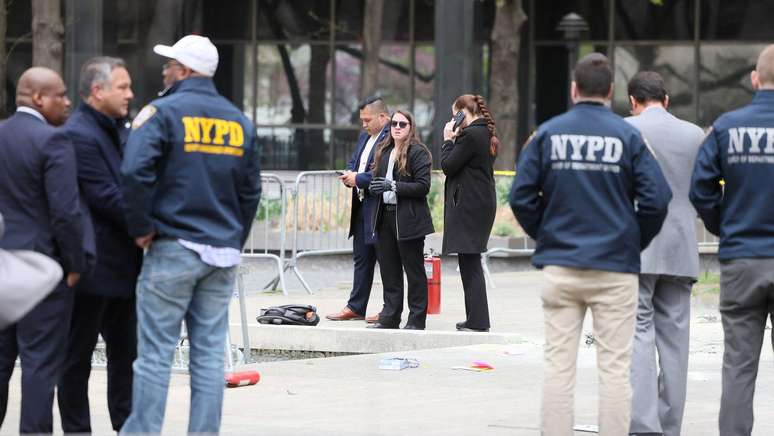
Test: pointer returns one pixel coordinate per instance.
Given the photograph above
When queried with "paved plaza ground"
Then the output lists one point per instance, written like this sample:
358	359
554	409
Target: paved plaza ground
349	395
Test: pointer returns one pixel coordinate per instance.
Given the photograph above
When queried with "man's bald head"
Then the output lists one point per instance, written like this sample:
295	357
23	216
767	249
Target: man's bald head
763	76
42	89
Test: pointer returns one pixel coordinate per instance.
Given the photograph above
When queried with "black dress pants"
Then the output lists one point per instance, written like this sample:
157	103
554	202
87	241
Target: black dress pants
364	256
395	257
39	339
474	286
115	318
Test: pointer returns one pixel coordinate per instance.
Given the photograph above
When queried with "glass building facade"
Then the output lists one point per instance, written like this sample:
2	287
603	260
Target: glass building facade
294	66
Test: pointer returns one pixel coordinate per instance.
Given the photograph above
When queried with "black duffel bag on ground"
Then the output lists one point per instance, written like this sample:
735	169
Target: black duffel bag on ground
289	314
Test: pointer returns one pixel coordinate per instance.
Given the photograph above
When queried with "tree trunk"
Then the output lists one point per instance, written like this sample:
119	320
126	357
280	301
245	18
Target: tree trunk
316	149
3	59
372	39
504	86
47	34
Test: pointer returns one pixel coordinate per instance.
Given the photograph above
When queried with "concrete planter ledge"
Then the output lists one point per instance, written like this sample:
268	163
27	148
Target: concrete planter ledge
361	340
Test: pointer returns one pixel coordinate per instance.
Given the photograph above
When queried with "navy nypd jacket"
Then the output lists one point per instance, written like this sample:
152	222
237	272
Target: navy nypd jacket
191	168
740	150
578	180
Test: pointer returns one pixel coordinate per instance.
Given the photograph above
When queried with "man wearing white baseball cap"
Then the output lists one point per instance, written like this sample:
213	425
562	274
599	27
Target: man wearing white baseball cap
191	185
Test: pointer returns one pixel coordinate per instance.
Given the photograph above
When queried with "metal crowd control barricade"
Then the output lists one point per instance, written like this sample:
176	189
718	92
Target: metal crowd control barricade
321	215
268	232
525	248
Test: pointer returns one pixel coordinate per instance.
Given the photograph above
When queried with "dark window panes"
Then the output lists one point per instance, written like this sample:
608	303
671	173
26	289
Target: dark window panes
18	60
349	20
748	20
294	148
552	79
676	65
292	84
724	83
293	19
424	20
396	20
221	20
548	13
424	109
394	83
121	19
233	79
19	19
668	19
344	143
485	17
348	79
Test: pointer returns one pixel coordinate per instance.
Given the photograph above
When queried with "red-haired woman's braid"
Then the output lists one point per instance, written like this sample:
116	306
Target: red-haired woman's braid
494	142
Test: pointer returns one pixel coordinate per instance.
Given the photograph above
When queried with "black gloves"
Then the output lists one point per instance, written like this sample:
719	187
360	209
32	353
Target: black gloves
380	185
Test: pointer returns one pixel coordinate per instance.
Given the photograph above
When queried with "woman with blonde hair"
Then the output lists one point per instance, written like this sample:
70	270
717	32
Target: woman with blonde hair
402	220
470	202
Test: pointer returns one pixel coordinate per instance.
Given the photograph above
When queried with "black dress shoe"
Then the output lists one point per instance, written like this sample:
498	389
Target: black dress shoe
378	325
412	327
460	325
469	329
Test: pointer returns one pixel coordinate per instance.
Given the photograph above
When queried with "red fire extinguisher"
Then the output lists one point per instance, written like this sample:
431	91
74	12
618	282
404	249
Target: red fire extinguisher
433	273
243	378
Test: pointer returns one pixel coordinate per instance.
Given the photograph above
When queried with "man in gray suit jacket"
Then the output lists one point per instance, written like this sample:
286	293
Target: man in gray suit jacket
669	267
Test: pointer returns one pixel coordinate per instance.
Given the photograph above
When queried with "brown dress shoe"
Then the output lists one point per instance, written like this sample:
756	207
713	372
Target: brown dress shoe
372	319
346	314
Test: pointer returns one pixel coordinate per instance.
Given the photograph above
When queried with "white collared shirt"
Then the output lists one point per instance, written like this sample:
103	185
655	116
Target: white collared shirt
363	165
33	112
221	257
390	197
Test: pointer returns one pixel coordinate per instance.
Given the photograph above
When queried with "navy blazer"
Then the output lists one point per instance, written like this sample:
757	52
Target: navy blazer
39	193
97	141
362	180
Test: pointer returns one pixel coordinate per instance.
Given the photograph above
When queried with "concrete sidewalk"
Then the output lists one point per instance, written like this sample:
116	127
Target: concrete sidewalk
349	395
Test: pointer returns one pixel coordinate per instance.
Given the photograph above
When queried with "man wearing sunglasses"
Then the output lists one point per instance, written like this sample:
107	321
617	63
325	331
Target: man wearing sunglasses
375	118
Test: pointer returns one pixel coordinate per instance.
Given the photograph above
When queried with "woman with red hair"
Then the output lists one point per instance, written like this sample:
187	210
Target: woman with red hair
467	159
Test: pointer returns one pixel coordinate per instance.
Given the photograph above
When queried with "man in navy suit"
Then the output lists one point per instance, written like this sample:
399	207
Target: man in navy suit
40	203
375	117
104	299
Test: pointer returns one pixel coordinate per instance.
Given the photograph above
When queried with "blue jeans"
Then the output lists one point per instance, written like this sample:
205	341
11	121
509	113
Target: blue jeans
175	285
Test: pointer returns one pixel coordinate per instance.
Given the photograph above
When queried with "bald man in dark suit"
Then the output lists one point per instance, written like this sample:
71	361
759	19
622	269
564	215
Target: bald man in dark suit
40	202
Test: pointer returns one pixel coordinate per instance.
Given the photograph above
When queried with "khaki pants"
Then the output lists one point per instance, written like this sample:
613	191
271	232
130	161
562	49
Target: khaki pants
612	298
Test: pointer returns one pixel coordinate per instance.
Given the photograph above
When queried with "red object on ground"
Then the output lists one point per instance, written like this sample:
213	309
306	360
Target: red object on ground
433	272
244	378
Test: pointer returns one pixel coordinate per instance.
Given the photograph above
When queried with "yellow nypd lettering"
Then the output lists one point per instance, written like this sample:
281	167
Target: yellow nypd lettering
208	135
213	149
206	125
236	136
221	128
192	133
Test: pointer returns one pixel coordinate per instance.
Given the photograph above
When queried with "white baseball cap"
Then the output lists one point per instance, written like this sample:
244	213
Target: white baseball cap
195	52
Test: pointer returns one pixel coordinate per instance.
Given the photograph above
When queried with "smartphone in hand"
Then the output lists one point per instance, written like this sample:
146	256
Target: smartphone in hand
458	118
341	173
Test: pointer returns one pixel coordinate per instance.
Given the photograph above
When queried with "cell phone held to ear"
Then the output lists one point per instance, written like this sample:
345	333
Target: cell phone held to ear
458	118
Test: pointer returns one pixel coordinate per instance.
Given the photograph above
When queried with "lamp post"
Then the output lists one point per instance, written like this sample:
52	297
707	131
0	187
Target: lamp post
571	26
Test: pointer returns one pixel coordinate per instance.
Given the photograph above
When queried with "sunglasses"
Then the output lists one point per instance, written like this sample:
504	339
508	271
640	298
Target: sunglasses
401	124
171	64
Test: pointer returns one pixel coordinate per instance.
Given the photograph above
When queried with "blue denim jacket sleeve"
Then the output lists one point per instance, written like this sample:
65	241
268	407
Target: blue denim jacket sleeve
138	170
706	193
